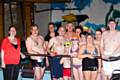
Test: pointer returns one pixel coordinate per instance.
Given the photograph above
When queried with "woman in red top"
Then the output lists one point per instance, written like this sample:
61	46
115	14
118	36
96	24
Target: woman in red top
10	55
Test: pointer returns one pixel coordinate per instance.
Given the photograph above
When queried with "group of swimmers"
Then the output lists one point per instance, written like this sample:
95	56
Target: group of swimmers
77	43
81	45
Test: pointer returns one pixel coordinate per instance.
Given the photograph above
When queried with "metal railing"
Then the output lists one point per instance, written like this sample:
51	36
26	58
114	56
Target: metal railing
46	55
109	59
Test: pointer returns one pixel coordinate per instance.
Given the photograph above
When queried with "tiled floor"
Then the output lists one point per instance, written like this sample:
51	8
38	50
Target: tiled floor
46	76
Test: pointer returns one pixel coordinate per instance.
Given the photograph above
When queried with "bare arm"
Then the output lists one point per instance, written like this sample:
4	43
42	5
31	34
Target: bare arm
62	60
99	60
22	55
46	45
102	47
51	45
2	59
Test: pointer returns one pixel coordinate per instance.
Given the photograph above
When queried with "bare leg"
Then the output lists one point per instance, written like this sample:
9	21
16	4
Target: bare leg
80	73
75	73
105	77
87	75
39	72
98	76
93	75
42	71
65	78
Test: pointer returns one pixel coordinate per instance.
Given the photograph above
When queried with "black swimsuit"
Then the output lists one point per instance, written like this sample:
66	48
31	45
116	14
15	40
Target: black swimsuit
35	63
89	64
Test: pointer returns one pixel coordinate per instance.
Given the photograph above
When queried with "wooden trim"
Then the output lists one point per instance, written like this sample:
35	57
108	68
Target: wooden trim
1	21
39	1
27	18
11	16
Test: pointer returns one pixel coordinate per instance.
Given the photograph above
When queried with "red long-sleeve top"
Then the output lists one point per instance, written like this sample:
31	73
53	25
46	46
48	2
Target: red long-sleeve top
11	54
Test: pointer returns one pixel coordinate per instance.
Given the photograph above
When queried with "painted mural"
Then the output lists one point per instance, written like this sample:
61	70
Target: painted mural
84	12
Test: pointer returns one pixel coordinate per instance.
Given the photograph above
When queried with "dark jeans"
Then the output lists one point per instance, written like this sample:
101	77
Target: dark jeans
11	72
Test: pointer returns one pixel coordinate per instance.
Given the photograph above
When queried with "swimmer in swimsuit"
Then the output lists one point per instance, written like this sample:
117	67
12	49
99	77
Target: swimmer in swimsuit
57	44
110	46
35	45
89	62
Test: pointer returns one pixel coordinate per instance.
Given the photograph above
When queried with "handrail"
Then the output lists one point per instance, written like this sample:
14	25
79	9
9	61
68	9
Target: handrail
71	59
46	55
113	58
